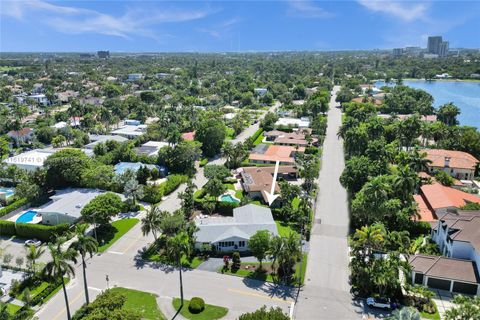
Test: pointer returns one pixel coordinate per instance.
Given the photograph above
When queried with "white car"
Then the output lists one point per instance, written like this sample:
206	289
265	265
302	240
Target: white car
381	303
33	242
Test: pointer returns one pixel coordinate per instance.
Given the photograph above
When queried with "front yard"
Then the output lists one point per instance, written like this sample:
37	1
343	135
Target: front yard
142	303
107	237
210	312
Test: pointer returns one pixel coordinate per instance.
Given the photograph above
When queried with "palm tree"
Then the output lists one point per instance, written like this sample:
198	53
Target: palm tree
419	161
178	246
33	254
61	266
370	238
406	313
151	222
405	183
84	245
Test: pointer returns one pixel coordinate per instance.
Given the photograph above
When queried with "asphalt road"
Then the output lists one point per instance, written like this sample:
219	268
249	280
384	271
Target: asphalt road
124	268
326	291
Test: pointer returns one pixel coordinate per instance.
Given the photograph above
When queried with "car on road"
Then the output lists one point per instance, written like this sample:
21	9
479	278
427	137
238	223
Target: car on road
381	303
33	242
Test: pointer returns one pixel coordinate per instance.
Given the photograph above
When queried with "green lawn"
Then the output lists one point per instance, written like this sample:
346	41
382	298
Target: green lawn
229	186
143	303
259	139
35	290
295	202
239	194
284	229
211	312
12	308
263	276
120	227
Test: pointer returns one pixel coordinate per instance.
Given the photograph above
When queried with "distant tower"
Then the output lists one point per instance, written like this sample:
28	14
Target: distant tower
103	54
443	50
433	45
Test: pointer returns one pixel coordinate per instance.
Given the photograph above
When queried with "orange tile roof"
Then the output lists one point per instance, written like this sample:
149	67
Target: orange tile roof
458	159
424	213
274	153
188	136
438	196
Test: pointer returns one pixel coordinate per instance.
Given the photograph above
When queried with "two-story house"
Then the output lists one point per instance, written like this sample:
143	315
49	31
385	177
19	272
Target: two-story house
457	235
460	165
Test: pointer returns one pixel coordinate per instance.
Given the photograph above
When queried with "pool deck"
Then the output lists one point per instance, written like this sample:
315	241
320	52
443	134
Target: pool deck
35	220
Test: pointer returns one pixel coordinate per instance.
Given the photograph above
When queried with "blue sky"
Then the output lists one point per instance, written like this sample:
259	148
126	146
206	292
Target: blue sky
209	26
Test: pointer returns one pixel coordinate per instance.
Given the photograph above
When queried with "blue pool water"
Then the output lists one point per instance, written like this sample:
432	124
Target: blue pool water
228	198
464	94
8	191
27	217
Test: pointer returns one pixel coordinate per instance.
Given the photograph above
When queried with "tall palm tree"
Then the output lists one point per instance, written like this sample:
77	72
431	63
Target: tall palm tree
419	161
33	254
60	266
151	222
178	246
405	183
84	245
370	238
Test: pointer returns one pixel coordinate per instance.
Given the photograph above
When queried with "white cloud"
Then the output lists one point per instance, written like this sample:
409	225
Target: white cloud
73	20
407	11
219	30
306	9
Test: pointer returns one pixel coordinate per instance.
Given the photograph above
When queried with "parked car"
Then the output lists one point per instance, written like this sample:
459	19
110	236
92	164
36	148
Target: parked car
381	303
33	242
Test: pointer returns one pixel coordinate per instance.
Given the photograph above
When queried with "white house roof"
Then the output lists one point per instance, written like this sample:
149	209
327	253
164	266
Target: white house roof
130	130
301	123
69	202
33	158
246	221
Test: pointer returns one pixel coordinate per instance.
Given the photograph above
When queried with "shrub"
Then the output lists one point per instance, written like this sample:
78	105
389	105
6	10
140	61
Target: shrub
7	228
173	182
256	134
13	206
203	162
38	231
236	261
152	194
196	305
226	207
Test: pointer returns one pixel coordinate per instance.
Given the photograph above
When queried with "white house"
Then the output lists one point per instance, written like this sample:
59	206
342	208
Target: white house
39	98
303	122
233	233
130	131
457	235
134	76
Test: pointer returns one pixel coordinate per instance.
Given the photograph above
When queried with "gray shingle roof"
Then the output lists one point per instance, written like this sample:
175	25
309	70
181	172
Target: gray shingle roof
246	221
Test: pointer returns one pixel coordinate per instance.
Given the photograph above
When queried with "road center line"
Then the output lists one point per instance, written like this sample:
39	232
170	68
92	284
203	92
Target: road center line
264	296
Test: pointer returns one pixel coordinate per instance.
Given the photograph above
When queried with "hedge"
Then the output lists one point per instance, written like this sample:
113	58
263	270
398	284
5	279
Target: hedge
256	135
173	182
226	208
13	206
152	194
28	230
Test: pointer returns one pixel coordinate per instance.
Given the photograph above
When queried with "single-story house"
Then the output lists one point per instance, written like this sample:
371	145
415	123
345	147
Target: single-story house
256	181
98	138
303	122
130	131
150	148
233	233
121	167
270	154
66	205
21	136
458	164
437	272
295	138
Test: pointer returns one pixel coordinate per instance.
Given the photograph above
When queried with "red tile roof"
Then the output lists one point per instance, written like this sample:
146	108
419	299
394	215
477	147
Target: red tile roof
20	133
424	213
284	154
438	196
458	159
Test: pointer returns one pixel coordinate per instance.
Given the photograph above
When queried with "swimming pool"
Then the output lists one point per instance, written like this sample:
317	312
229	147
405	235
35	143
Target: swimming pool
228	198
8	191
27	216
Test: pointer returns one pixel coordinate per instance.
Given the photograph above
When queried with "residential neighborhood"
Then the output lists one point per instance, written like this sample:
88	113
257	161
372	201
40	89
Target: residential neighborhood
157	163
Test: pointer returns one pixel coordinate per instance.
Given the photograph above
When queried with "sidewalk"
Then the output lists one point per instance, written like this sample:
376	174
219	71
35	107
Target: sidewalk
165	305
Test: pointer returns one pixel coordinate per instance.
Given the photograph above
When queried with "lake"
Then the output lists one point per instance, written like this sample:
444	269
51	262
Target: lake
465	95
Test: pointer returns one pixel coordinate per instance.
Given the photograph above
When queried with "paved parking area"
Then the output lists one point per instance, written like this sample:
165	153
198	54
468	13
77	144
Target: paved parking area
16	247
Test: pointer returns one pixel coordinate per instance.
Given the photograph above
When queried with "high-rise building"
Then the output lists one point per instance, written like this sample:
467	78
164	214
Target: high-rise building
443	49
103	54
433	45
397	52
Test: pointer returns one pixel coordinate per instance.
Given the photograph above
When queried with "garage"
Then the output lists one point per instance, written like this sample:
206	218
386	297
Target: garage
465	288
418	278
439	283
